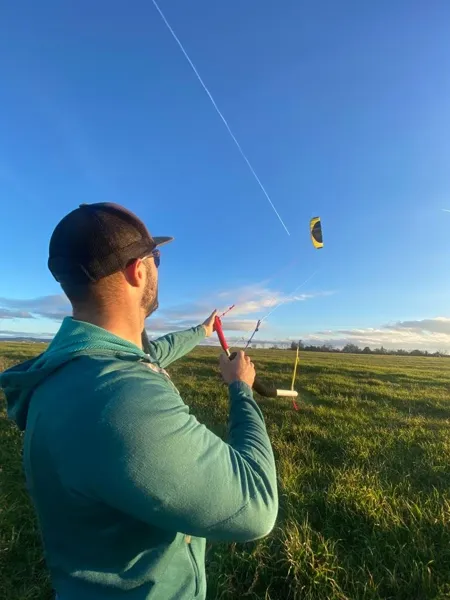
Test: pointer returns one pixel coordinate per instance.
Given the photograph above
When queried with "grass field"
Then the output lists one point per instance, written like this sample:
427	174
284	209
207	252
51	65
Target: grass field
364	481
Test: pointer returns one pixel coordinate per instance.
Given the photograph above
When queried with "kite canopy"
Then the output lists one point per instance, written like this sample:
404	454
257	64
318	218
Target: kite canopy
316	232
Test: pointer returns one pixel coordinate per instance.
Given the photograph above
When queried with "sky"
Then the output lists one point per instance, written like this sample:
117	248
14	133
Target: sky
340	107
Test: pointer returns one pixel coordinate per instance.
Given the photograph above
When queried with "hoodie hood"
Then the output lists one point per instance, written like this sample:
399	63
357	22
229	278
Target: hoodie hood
74	339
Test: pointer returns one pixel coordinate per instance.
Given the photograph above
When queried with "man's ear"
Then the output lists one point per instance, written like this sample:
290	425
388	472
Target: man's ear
135	273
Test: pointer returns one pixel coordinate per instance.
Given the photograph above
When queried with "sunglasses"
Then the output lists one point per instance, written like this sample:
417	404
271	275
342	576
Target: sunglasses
155	254
156	257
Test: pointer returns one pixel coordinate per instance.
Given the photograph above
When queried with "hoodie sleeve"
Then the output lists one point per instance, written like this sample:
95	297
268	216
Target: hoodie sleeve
171	347
164	468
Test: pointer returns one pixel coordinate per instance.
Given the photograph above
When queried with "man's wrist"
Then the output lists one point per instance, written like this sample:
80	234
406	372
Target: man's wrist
240	386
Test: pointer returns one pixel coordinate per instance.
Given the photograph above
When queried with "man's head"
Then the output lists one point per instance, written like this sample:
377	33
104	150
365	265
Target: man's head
105	259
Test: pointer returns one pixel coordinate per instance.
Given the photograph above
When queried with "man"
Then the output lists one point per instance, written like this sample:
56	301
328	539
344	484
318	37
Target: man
125	482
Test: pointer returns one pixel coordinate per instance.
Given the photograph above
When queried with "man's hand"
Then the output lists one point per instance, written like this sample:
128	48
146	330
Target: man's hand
240	368
209	324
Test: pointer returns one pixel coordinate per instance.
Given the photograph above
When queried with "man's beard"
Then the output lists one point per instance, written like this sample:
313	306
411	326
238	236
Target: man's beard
149	300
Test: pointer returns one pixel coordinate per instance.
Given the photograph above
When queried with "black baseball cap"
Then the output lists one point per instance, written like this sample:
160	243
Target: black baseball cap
97	240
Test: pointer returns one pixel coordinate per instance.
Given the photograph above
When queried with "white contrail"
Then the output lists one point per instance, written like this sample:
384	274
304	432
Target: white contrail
233	137
445	210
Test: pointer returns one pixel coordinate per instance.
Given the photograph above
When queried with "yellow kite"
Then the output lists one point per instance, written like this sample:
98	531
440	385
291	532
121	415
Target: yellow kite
316	232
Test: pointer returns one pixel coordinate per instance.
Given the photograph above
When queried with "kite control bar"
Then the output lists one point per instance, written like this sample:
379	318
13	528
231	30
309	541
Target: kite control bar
258	386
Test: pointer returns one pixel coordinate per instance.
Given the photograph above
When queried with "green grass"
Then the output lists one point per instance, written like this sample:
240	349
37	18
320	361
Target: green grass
364	482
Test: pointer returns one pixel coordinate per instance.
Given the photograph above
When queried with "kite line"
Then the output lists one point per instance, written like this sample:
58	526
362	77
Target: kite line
283	301
289	296
315	226
219	112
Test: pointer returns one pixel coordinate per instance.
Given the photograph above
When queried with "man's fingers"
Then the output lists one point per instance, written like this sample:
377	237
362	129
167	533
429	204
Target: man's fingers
210	319
239	369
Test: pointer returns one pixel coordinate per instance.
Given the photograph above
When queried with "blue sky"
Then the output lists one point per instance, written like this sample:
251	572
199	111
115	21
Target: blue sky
341	107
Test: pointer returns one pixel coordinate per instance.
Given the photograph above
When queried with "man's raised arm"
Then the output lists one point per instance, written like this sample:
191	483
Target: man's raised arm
169	348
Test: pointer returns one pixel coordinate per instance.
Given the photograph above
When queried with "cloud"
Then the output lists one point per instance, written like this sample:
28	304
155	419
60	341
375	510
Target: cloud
8	333
161	326
428	334
242	325
54	307
6	313
436	325
254	300
251	303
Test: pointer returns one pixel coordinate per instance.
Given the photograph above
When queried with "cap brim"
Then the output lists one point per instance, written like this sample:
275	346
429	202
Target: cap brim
162	240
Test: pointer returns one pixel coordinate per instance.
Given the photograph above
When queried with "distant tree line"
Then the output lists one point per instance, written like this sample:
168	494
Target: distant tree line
354	349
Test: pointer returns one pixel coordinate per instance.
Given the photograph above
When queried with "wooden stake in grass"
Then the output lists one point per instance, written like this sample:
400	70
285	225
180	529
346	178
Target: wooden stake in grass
294	374
295	370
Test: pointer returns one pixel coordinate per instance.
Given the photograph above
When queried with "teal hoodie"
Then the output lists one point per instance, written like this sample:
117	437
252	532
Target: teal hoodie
126	483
